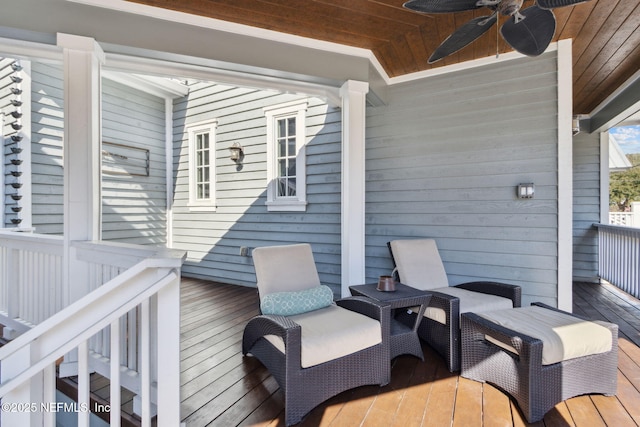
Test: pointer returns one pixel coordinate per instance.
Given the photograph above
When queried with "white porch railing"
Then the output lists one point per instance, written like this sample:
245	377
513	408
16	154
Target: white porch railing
626	219
31	287
134	293
619	257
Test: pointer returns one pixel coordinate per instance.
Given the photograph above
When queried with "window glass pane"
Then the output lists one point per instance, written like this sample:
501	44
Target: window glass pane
282	148
282	128
205	160
292	168
282	182
198	142
292	126
292	186
282	167
205	142
292	147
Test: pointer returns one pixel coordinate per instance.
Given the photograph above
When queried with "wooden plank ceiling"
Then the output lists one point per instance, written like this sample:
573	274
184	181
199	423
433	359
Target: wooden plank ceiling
606	34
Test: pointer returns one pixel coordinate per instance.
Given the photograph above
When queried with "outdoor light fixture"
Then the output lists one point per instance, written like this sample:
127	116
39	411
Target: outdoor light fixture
525	191
575	125
236	152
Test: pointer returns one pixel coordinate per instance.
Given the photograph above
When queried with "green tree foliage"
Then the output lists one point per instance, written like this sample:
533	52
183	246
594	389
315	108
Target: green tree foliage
624	187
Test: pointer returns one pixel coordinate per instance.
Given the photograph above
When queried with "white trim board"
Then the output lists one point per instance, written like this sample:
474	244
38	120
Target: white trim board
565	176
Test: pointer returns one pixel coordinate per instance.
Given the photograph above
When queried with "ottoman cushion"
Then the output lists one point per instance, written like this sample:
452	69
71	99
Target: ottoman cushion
563	336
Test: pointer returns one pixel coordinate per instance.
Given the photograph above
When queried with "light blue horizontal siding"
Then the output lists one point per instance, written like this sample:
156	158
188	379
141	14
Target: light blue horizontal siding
47	134
134	207
444	158
586	210
213	239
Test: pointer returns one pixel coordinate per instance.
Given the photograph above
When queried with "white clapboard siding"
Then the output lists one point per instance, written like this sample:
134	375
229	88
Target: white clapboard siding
586	205
213	239
444	158
133	204
47	132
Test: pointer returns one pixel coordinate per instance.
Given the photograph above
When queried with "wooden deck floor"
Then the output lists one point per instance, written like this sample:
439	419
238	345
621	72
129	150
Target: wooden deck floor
220	387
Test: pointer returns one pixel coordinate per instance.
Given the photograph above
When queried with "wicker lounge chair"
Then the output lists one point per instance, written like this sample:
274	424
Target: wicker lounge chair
418	264
540	372
314	348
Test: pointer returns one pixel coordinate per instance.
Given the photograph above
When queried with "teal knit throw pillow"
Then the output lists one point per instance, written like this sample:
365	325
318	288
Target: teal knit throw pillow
297	302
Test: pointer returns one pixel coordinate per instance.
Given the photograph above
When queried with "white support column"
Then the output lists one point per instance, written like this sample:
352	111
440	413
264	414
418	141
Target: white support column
565	176
604	177
83	59
82	150
353	94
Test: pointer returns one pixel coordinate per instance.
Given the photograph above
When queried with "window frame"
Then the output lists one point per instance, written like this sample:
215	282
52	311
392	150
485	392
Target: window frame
294	109
193	130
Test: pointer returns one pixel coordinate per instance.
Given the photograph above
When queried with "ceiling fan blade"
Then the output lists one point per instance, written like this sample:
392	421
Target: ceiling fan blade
551	4
463	36
532	35
440	6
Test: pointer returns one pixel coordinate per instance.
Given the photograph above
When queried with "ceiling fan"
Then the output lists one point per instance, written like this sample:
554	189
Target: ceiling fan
528	31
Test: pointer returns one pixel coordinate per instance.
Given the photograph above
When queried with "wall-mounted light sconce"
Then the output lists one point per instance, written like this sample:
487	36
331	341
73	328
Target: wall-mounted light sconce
575	125
236	152
526	191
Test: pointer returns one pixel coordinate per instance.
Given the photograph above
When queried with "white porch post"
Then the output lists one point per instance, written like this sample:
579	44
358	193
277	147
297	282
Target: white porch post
353	94
82	61
565	176
82	155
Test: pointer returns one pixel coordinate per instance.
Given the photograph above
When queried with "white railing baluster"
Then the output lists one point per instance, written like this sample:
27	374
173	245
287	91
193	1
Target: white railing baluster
83	384
145	368
115	398
49	395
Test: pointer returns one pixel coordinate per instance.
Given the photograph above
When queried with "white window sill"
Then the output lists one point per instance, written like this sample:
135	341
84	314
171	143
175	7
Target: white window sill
201	208
288	206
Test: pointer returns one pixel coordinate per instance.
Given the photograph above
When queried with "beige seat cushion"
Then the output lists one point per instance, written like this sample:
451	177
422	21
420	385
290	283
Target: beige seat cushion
563	336
470	302
331	333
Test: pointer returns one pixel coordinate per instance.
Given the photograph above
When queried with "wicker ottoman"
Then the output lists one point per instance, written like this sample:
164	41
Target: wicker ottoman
537	379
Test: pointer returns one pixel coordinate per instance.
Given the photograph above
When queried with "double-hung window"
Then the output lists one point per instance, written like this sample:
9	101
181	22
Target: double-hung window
202	171
286	186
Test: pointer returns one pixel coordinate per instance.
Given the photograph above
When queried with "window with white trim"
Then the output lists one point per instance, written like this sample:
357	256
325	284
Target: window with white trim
202	168
286	175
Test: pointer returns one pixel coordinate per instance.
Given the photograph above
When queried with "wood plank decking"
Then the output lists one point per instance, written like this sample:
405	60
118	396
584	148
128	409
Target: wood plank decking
220	387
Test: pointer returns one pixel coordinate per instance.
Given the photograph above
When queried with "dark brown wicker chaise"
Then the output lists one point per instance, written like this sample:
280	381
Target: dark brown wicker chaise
314	348
418	264
521	365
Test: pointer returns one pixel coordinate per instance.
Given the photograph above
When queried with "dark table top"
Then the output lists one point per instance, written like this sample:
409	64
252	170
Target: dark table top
402	295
